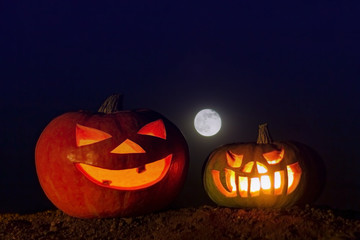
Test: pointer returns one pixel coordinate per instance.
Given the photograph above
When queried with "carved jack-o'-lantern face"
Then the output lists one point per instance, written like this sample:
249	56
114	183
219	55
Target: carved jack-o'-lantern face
107	164
263	174
124	179
266	175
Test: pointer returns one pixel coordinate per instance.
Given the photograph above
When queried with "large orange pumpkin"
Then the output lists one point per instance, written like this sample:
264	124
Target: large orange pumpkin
263	174
111	163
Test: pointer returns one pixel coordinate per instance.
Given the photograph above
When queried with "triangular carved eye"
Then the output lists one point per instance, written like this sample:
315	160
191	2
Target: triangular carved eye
155	129
87	135
234	160
274	157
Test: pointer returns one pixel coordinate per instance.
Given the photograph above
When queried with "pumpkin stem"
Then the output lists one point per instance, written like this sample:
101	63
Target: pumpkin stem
264	135
112	104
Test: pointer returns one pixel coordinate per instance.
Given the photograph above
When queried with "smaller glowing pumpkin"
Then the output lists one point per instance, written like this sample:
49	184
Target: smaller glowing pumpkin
263	174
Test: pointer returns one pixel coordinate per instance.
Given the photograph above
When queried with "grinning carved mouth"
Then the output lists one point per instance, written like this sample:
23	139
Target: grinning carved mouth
251	187
127	179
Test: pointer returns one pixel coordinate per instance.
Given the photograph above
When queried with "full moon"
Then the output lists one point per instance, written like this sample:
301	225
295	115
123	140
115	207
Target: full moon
207	122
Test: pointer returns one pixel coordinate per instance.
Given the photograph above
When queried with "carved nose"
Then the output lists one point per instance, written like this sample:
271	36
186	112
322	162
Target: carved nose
127	147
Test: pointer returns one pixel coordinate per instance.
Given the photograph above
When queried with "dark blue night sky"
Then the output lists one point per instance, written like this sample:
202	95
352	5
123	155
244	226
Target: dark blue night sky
295	66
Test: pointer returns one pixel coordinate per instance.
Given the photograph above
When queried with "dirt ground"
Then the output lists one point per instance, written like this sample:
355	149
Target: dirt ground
205	222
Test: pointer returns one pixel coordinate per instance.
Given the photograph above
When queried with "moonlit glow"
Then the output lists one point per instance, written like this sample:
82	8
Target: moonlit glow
207	122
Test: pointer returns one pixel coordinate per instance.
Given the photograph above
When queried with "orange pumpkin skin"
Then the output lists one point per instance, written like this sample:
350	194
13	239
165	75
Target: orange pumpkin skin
223	183
57	159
